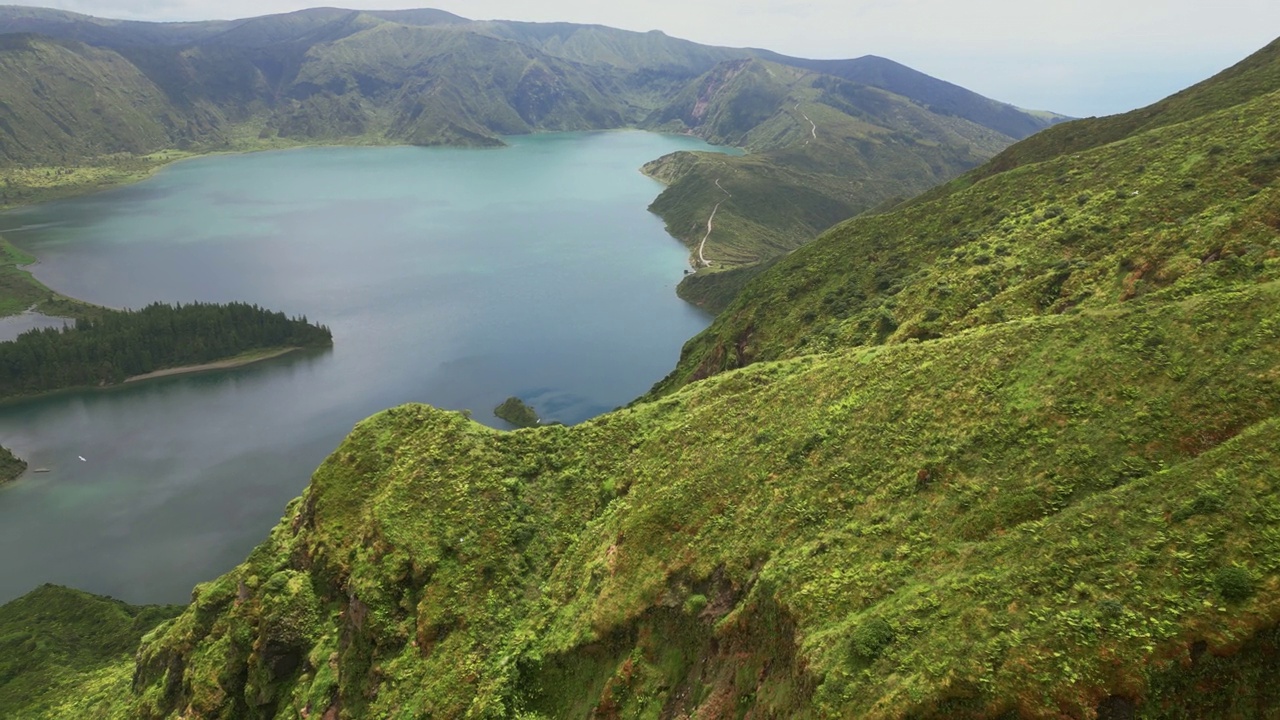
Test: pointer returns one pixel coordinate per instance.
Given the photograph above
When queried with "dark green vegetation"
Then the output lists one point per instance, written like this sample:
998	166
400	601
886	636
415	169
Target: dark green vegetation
121	344
62	649
10	467
1010	451
91	102
1175	210
516	412
924	529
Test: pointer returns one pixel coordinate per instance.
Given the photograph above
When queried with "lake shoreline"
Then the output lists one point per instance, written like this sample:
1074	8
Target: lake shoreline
253	357
239	361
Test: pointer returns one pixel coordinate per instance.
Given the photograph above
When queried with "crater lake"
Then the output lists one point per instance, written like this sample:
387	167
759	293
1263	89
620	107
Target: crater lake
455	277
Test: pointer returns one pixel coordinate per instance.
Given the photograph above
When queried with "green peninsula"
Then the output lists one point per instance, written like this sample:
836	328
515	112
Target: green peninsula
160	339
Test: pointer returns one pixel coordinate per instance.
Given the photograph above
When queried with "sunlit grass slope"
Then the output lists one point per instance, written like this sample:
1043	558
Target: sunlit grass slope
1177	210
1031	517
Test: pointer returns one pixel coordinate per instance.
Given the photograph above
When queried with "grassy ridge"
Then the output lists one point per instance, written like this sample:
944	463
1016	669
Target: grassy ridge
1007	452
1010	450
971	525
1178	210
65	653
1252	77
822	150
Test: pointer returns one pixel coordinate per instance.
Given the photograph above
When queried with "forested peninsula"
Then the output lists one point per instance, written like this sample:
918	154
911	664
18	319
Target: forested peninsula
119	345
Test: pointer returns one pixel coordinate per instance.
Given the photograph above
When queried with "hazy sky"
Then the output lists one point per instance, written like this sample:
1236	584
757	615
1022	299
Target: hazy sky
1079	57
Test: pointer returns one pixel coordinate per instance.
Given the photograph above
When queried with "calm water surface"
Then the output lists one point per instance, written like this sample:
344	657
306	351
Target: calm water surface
453	277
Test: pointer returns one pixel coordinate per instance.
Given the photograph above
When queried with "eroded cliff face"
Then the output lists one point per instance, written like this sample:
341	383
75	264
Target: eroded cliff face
1034	518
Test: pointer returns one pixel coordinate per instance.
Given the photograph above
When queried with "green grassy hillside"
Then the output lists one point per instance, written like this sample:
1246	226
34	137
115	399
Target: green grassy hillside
1011	452
822	149
1007	451
64	653
64	101
970	526
1177	209
1259	74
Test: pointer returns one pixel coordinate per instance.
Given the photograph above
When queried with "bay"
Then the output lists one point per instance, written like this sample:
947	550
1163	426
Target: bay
449	276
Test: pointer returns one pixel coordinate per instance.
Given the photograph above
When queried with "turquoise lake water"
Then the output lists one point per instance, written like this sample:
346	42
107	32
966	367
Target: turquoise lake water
453	277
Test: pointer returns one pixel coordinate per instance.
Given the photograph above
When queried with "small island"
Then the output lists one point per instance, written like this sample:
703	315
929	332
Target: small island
515	411
11	466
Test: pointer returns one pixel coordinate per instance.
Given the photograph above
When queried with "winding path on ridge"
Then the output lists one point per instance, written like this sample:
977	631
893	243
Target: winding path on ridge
812	124
702	260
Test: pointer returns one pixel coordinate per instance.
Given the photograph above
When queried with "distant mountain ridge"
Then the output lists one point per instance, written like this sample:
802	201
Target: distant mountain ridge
78	89
592	44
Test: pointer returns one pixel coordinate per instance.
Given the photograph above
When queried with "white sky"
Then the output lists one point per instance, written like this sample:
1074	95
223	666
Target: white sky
1079	57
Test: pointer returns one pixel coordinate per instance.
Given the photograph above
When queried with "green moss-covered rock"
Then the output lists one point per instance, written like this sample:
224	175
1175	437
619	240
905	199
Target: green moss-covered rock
515	411
10	466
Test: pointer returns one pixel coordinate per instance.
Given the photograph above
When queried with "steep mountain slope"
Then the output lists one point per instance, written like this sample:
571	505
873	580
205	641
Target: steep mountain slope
974	525
443	84
1256	75
821	150
939	96
1194	203
1016	457
63	100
